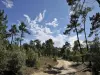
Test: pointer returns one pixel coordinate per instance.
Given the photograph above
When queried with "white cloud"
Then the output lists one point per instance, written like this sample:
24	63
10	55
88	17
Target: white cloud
8	3
54	23
71	13
44	33
41	16
59	40
47	30
28	18
72	39
26	40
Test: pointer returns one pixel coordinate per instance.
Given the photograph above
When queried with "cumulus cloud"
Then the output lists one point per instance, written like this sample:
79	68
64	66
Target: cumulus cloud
8	3
54	23
47	30
41	16
74	38
59	40
44	33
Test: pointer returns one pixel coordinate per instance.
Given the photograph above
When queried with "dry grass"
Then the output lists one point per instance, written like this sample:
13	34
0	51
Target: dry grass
43	62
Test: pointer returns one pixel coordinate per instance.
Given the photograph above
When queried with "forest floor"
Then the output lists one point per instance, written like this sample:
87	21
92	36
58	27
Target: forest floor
64	68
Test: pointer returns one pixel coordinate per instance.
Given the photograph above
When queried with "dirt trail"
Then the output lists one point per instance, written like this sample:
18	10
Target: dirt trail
61	64
41	73
64	68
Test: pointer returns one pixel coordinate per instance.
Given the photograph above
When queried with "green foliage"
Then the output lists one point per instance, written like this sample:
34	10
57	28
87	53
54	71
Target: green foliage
32	58
16	61
23	30
37	64
71	2
3	60
77	57
76	46
55	59
11	60
13	31
95	24
49	47
3	26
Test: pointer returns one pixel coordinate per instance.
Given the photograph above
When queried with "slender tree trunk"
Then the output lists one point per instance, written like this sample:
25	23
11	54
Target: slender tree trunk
20	44
12	39
21	39
85	35
84	27
78	39
79	43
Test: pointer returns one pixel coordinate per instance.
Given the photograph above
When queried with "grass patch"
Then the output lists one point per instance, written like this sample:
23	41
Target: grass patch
41	65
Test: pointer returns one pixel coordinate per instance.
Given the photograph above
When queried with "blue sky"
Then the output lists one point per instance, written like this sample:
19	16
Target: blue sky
44	18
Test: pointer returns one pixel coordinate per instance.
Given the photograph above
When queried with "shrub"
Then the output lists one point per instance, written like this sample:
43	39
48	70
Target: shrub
3	60
55	59
32	57
11	61
16	61
37	64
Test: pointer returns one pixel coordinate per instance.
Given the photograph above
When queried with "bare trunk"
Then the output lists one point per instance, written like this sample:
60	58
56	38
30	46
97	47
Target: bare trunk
20	44
79	44
21	39
12	39
85	36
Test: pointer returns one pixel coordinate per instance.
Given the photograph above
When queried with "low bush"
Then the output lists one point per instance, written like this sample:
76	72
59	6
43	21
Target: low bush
55	59
32	58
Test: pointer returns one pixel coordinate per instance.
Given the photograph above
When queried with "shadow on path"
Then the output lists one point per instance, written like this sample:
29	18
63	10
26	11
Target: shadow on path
52	72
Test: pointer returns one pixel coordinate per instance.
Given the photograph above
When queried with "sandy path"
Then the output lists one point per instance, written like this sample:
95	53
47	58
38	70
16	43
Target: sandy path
61	63
66	67
41	73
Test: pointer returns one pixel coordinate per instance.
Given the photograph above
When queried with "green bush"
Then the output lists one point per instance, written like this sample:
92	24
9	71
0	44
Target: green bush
3	60
55	59
37	64
32	58
11	61
17	61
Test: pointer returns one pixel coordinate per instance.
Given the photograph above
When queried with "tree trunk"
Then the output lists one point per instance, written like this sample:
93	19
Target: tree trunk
79	43
12	39
21	39
85	35
20	44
